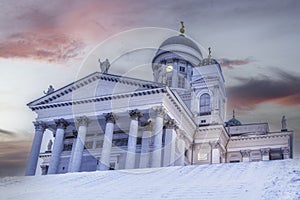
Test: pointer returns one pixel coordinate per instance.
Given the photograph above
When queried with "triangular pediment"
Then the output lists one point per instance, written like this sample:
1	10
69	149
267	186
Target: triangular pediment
198	81
96	85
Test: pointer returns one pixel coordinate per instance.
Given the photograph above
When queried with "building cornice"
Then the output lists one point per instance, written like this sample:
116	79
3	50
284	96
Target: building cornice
265	136
89	79
98	99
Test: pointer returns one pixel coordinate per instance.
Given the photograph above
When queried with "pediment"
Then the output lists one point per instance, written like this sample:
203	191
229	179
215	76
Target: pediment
198	81
95	85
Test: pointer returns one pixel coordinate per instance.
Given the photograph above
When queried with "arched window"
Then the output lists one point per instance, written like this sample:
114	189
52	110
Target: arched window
205	104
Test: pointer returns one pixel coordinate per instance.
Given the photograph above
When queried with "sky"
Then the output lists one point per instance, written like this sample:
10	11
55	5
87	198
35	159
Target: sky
43	43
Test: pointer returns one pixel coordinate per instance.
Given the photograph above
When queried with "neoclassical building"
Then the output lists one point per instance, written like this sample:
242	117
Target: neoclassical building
105	121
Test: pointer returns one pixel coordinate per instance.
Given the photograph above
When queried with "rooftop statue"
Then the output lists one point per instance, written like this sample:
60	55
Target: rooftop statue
49	146
50	90
104	66
283	123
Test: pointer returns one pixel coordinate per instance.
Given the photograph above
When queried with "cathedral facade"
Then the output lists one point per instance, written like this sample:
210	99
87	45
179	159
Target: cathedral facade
105	121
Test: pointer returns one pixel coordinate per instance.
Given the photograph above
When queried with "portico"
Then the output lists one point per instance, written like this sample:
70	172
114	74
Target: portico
123	139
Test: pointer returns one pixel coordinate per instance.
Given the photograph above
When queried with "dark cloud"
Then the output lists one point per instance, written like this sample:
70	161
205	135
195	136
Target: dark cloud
6	132
13	157
231	63
284	90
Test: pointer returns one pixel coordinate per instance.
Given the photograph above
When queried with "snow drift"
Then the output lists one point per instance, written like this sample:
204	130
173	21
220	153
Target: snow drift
255	180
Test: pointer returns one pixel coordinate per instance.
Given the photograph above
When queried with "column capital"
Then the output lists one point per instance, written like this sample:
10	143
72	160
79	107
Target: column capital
82	121
159	111
285	150
135	114
171	124
40	126
245	153
110	117
61	123
265	151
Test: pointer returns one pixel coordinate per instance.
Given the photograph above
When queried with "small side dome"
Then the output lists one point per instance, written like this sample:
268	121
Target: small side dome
233	121
208	61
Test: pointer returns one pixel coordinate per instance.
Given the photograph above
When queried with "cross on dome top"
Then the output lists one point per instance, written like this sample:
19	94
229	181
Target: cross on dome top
182	28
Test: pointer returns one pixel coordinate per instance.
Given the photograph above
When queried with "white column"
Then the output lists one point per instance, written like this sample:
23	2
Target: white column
215	156
245	156
57	146
35	148
265	154
75	160
132	138
107	143
157	137
170	143
145	149
180	150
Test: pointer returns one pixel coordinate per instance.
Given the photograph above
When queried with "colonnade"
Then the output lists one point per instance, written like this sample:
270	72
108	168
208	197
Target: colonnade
150	156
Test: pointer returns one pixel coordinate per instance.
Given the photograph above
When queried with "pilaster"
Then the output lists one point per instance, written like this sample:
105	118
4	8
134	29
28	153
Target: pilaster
180	143
245	155
286	152
170	143
265	152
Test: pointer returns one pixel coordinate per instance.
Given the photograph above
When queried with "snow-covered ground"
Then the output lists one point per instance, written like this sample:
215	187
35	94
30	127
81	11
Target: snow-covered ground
256	180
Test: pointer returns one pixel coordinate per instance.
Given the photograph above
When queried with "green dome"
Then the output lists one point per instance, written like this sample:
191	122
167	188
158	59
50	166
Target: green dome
233	122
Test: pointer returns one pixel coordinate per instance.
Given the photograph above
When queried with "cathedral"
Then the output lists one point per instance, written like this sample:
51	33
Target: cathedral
110	122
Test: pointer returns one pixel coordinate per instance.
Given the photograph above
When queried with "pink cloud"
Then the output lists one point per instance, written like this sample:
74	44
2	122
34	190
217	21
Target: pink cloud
251	92
231	63
58	31
49	47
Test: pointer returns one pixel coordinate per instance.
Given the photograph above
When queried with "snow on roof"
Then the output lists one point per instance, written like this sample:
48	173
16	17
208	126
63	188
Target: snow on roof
255	180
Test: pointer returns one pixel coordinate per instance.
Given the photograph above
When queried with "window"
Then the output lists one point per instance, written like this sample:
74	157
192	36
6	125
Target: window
169	81
88	145
182	69
276	154
68	147
205	104
99	144
181	82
